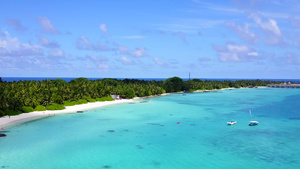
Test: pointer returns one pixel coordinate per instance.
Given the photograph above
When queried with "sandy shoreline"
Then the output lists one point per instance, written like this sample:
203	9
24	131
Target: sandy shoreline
6	121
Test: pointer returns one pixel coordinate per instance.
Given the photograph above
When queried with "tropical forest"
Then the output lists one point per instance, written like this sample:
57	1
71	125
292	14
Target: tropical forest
27	96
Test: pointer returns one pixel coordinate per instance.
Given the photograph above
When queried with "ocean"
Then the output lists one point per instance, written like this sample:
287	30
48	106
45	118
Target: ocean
177	131
68	79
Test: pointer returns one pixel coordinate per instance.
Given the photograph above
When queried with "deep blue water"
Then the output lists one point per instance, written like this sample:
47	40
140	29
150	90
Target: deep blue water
68	79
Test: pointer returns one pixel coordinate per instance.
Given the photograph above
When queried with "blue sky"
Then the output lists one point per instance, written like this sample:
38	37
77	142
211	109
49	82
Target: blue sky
150	39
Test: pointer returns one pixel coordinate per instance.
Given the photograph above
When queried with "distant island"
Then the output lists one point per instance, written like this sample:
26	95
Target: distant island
27	96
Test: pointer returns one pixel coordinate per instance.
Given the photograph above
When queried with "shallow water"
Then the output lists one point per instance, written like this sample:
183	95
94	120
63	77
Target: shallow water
146	135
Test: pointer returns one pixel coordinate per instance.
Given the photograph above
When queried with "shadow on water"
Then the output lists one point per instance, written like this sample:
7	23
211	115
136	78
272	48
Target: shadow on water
156	124
36	120
263	145
111	131
282	109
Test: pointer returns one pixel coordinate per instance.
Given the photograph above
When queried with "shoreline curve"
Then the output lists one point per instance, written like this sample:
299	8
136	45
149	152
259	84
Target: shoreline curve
7	121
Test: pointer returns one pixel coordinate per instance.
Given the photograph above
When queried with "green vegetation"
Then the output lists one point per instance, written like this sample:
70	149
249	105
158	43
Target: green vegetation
40	108
26	96
55	106
27	109
102	99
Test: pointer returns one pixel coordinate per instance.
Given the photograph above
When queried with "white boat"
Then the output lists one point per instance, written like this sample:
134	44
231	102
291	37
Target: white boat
231	122
253	123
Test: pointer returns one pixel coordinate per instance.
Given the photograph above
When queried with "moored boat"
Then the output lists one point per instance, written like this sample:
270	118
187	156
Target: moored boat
253	123
231	122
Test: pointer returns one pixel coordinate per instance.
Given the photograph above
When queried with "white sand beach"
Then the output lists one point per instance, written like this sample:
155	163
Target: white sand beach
5	121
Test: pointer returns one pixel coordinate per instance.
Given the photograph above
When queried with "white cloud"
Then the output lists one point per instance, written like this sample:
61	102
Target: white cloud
270	27
57	53
47	26
125	60
84	43
19	56
123	49
253	54
46	43
236	53
139	52
158	61
13	47
243	32
99	63
103	28
103	67
96	59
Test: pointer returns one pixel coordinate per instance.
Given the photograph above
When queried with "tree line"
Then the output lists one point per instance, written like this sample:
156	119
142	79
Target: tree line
27	96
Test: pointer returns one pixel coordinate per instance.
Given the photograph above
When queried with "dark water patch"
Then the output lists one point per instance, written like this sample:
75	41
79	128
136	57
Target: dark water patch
247	103
111	131
4	131
139	147
107	166
35	120
294	118
287	108
155	163
126	130
2	135
263	145
188	103
156	124
209	109
260	115
139	132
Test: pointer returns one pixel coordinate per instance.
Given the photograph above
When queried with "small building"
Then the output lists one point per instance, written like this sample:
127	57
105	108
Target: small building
116	97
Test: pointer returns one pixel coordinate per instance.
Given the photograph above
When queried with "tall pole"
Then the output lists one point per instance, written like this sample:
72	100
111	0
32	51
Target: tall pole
189	75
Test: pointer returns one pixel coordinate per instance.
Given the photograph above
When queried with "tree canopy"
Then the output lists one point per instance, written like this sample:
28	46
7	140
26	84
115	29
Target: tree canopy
26	96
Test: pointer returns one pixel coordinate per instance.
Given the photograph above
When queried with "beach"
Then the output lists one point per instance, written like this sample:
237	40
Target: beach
5	121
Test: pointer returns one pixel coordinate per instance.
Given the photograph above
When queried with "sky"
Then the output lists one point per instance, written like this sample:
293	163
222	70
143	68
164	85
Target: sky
249	39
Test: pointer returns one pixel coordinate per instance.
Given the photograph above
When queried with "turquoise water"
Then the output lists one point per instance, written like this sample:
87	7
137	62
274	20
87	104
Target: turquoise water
147	136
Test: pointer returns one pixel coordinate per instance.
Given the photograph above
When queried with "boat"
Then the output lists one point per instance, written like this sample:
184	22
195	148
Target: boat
2	135
253	123
231	122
